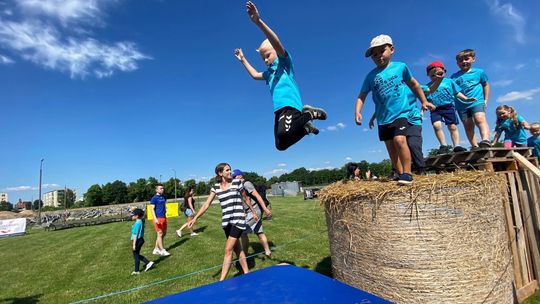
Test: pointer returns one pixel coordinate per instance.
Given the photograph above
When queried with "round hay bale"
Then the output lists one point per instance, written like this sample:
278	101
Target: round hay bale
441	240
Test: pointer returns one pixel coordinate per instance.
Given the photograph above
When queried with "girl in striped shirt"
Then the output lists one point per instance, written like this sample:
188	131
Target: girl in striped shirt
233	219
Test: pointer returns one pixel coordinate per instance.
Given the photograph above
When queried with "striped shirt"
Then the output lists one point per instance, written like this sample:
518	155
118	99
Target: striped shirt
232	209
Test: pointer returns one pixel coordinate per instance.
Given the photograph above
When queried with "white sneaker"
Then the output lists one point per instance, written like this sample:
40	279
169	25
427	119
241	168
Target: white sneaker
194	234
164	253
156	251
179	233
148	266
136	273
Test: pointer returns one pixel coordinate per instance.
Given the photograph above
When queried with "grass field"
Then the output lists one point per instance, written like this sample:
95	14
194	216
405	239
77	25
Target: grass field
82	263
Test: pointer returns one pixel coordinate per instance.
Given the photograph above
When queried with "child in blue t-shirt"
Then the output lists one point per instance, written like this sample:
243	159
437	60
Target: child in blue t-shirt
137	241
292	120
513	125
534	140
441	91
473	83
388	83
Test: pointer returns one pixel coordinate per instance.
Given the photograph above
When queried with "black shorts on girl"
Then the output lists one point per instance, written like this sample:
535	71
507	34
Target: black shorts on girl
233	230
398	127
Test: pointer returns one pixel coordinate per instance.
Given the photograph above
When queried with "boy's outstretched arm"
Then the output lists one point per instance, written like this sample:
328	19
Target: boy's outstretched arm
372	120
250	69
358	108
465	98
417	90
272	37
435	85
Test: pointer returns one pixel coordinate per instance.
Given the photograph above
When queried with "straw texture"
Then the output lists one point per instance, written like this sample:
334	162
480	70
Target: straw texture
441	240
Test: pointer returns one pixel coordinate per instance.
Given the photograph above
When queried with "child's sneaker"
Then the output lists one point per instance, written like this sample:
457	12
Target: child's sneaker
156	251
148	266
405	179
194	234
179	233
316	113
443	149
164	253
136	273
458	149
310	128
484	144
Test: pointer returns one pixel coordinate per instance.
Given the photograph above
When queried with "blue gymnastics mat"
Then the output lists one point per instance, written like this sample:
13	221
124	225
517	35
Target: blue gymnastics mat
276	284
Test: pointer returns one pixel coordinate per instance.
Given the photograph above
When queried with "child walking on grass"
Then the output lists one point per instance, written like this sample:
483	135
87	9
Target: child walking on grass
137	241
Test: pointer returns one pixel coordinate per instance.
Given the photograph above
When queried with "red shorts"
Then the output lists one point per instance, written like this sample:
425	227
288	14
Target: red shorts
161	225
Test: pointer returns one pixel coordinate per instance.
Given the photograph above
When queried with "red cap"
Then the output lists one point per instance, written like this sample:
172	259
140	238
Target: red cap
435	64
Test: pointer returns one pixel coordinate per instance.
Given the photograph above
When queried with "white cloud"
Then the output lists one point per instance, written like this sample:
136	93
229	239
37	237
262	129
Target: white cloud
348	158
282	165
507	14
320	168
519	66
327	162
5	60
427	59
375	151
276	172
26	188
64	10
517	95
365	129
502	83
338	126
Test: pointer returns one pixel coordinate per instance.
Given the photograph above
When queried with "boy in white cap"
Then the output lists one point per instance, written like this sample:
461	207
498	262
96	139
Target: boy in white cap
390	94
292	120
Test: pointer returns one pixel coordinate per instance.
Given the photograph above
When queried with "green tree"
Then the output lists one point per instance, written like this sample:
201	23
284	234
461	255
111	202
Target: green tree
138	191
115	193
36	204
6	206
169	188
94	196
190	183
254	178
202	188
271	181
151	188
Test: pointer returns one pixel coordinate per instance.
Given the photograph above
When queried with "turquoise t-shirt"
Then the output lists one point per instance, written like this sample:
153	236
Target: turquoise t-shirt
445	93
415	116
280	78
517	135
471	85
137	229
535	143
390	92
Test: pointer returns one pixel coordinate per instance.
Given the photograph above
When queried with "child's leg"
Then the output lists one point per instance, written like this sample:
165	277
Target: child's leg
137	255
241	255
454	133
469	131
404	154
414	141
481	123
289	127
437	127
394	158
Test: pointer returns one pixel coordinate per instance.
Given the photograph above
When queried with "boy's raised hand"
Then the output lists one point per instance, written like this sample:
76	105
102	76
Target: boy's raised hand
252	12
239	54
358	118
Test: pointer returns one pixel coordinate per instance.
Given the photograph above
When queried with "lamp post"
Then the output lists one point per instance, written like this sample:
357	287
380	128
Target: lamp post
39	199
160	178
175	198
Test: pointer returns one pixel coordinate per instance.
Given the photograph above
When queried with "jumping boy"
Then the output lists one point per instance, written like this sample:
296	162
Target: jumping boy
392	104
441	92
292	120
473	83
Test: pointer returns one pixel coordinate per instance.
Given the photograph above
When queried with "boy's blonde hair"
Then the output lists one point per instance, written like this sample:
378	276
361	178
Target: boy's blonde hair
535	126
466	53
265	44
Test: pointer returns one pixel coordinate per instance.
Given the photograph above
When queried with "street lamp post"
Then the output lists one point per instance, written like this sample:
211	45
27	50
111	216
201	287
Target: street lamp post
39	198
175	198
160	178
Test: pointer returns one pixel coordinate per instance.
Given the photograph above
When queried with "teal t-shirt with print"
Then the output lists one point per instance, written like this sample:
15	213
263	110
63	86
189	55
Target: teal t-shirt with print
389	91
445	93
535	143
517	135
137	229
415	115
471	84
283	87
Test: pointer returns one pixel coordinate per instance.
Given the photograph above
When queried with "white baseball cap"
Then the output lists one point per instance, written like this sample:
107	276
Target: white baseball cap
378	41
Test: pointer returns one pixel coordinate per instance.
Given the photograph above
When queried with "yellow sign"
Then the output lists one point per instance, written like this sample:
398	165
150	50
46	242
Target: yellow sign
172	210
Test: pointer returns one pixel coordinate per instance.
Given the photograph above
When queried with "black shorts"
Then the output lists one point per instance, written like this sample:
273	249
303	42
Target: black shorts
233	231
397	128
446	114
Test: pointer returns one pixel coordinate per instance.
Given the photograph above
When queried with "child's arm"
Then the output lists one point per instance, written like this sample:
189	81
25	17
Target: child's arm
417	89
134	245
358	108
434	85
372	120
496	138
203	209
250	69
465	98
272	37
487	90
526	125
247	200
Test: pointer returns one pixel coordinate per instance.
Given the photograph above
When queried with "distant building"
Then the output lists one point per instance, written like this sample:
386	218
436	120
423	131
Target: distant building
286	189
4	197
21	205
55	198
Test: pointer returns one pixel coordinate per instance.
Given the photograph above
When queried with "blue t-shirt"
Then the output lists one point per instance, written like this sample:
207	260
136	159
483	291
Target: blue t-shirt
390	92
517	135
445	93
415	116
159	201
535	143
471	85
280	78
137	229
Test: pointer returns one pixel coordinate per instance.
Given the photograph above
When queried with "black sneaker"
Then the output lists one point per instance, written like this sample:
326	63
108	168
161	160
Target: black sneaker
310	128
405	179
458	149
443	149
484	144
316	113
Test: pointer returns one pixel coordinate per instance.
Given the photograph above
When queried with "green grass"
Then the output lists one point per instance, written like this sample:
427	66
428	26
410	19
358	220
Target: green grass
80	263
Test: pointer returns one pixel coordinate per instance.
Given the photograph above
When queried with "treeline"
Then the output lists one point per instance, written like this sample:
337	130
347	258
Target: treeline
118	192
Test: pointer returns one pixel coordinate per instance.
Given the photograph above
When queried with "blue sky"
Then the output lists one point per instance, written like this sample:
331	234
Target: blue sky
107	90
